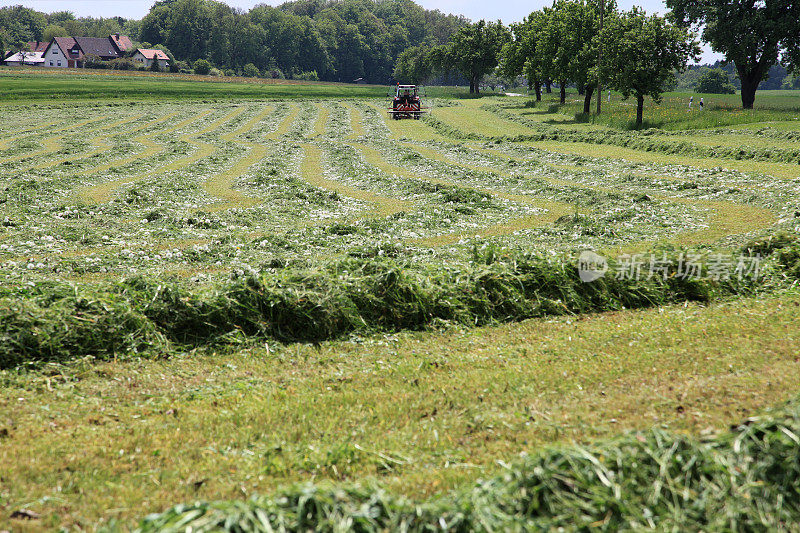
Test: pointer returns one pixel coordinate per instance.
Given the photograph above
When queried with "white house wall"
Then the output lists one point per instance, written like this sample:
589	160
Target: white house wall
53	56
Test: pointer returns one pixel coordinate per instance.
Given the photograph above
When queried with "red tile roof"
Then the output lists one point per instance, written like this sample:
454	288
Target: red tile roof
66	44
122	42
150	53
38	46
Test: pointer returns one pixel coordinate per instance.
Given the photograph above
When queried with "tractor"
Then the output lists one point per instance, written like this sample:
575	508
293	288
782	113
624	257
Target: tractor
407	103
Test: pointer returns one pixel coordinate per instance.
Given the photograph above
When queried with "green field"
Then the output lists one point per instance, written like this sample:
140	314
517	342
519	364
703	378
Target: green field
217	289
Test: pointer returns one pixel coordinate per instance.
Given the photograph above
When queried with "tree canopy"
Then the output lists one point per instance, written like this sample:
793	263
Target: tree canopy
474	51
643	53
714	81
753	35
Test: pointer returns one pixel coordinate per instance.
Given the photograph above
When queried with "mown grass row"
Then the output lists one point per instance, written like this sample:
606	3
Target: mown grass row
744	480
641	141
369	293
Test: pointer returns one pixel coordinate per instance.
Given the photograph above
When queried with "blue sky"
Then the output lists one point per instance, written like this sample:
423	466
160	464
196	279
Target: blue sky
505	10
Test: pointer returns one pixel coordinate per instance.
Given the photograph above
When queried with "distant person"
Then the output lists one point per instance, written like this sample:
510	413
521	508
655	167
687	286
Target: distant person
701	104
691	100
609	96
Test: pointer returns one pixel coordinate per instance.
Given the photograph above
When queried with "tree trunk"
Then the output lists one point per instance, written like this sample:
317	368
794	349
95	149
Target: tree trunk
537	85
749	86
472	85
587	99
476	82
639	110
563	95
547	86
581	90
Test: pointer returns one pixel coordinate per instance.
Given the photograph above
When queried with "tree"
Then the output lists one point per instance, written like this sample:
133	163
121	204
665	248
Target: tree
414	65
714	81
54	31
474	50
518	57
154	66
250	71
752	35
201	66
641	55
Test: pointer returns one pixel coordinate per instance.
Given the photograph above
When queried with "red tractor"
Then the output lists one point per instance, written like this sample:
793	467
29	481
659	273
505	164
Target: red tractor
407	103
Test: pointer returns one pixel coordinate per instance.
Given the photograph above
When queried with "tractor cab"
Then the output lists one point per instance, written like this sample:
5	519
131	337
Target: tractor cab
406	103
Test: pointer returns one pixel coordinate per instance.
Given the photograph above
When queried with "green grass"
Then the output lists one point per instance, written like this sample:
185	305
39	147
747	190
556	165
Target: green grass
358	310
47	86
419	413
744	480
673	112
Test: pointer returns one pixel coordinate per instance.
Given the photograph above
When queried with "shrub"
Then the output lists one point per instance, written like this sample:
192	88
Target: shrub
250	71
714	81
202	67
215	72
308	76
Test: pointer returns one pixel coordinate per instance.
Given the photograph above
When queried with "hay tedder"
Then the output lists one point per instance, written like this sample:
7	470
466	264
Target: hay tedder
407	103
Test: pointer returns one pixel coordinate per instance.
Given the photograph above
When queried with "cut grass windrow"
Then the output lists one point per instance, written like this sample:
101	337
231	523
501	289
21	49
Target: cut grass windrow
105	191
341	297
312	171
221	185
100	143
743	480
51	144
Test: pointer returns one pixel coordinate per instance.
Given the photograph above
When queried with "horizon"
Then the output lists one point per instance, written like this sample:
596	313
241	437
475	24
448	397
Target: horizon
506	11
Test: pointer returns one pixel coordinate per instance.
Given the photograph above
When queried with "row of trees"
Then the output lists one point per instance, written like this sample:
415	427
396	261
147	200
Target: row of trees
19	25
590	43
632	53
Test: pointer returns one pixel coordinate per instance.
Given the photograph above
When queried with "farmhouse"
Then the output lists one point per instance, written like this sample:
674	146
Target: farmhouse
70	52
25	58
146	56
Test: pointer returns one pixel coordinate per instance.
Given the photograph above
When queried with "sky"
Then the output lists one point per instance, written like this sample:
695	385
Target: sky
506	10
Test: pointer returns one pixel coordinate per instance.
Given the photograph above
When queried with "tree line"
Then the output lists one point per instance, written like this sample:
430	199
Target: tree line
591	43
343	40
584	43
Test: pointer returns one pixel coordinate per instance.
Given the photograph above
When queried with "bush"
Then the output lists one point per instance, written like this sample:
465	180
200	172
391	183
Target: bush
250	71
714	81
308	76
202	67
230	72
154	66
215	72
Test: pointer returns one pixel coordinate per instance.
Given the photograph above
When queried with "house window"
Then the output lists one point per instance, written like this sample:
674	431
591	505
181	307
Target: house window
51	63
59	63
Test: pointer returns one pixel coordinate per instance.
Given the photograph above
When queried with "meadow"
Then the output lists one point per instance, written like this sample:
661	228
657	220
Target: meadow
218	289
